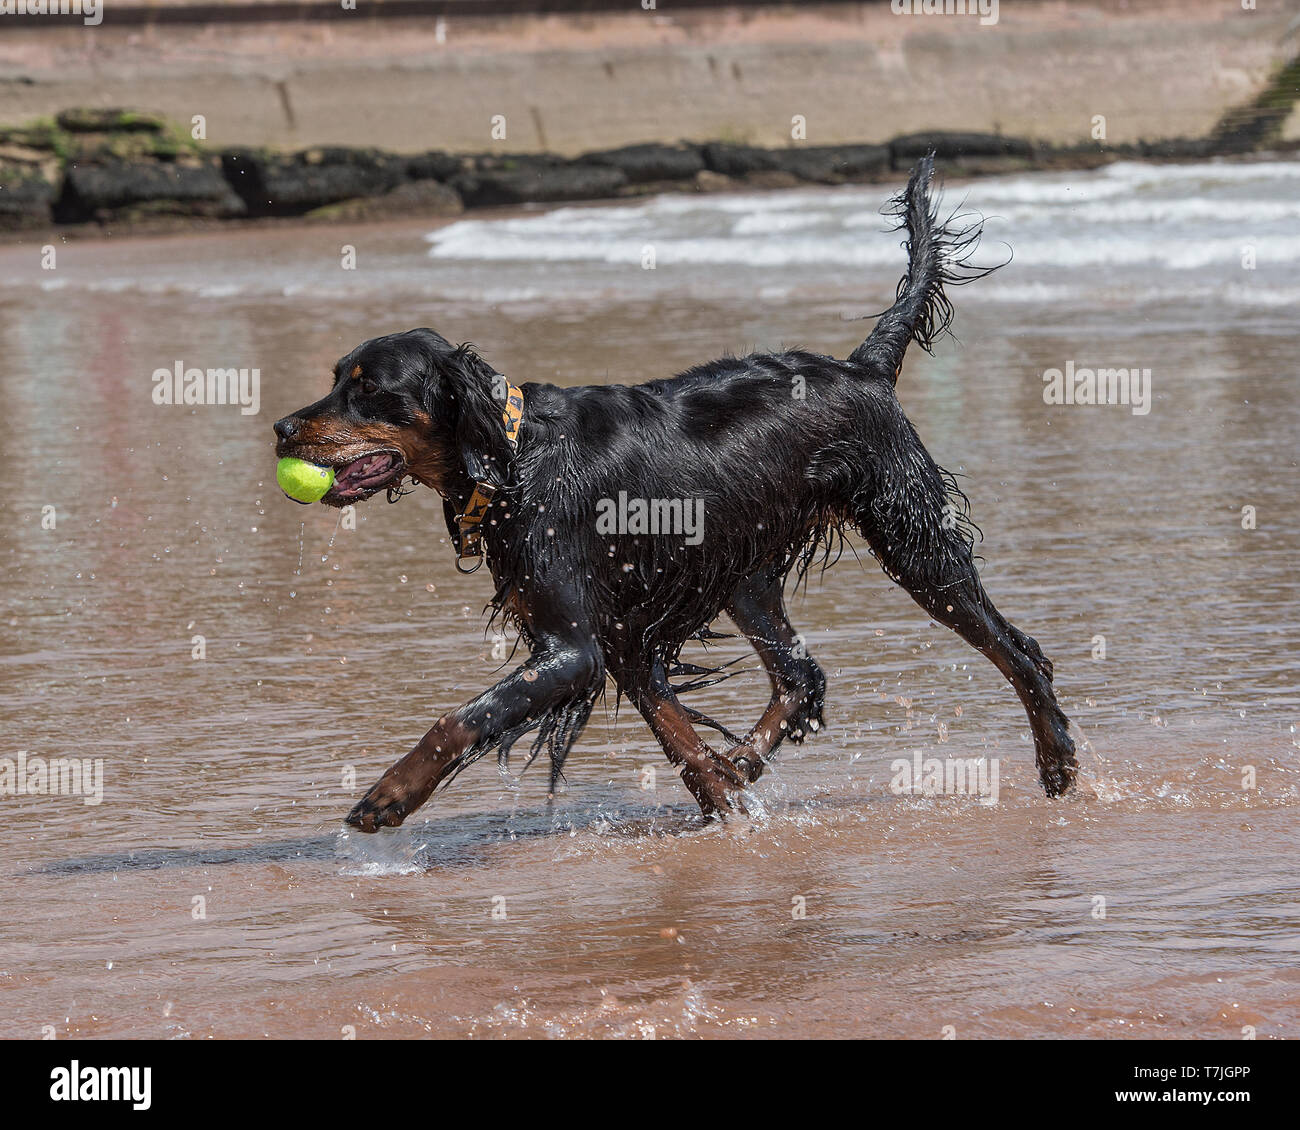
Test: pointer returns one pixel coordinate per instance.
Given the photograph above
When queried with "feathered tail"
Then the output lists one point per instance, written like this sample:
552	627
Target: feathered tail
937	255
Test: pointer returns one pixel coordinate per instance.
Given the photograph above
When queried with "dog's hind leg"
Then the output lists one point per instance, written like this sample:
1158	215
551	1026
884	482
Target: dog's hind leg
798	684
711	778
912	516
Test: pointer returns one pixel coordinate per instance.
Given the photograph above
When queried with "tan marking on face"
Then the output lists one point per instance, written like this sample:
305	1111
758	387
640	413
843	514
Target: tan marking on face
333	441
356	372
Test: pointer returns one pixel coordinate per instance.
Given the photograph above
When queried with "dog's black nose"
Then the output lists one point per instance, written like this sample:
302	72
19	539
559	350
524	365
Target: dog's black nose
288	427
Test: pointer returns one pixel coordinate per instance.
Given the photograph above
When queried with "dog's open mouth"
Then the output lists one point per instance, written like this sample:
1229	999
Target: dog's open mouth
362	477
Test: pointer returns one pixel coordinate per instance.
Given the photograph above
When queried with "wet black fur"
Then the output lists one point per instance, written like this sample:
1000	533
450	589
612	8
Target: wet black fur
788	451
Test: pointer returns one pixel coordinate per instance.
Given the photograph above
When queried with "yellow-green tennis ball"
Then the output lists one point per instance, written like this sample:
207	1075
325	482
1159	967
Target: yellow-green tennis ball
303	481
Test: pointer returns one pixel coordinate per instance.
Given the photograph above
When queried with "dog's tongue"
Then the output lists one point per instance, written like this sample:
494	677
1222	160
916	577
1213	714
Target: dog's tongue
360	471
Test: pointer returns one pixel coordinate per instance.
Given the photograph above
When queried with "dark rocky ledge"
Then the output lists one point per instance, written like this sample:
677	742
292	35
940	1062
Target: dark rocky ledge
92	168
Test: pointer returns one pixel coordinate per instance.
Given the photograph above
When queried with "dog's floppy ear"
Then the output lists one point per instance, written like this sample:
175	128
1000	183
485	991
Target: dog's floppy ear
476	396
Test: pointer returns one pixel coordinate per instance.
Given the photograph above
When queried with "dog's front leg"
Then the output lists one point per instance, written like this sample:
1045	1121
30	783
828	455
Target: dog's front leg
557	671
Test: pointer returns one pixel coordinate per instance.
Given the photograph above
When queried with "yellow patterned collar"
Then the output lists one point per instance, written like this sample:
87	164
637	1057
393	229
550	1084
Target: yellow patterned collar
470	523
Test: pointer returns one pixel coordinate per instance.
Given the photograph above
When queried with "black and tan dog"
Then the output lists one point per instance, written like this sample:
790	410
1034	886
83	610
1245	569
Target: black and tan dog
783	451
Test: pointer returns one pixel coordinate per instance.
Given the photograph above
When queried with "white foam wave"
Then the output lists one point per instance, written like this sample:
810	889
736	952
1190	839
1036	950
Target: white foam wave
1176	217
1177	253
1236	214
774	223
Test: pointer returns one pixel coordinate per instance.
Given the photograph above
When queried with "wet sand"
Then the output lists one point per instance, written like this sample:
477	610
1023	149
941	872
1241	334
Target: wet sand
614	911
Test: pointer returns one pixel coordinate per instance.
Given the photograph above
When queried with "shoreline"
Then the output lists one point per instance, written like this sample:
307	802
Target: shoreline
247	117
101	174
185	226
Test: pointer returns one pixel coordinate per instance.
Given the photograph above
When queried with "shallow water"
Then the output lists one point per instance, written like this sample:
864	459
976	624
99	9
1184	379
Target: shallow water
841	907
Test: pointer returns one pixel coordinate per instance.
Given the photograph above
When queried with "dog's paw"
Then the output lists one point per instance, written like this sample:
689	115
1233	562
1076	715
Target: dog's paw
384	806
747	762
808	717
1058	769
1058	779
714	784
807	720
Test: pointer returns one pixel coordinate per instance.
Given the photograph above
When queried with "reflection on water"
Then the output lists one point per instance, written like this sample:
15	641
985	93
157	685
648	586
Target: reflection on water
213	893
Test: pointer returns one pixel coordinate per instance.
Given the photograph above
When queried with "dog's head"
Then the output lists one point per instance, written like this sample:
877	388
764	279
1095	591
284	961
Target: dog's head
405	404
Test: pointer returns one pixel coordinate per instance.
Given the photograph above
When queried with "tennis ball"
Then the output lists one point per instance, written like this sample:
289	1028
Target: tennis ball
303	481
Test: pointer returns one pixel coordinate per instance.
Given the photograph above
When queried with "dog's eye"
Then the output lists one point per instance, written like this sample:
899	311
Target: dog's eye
369	388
